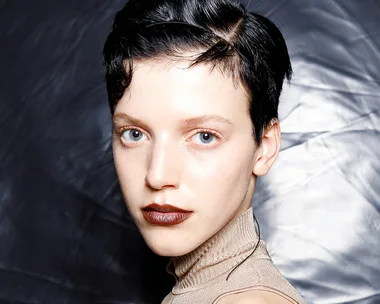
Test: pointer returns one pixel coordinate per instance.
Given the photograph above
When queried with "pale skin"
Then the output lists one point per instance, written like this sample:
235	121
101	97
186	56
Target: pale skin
183	136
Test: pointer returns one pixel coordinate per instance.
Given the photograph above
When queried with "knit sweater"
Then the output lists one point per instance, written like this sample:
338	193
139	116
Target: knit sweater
201	275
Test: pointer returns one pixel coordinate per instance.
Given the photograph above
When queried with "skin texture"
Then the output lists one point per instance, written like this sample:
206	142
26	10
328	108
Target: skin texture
169	163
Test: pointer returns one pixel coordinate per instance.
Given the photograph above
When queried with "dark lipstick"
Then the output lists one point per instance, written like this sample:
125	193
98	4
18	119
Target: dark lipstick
165	215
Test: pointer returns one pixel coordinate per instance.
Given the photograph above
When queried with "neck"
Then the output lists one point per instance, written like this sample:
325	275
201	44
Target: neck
218	255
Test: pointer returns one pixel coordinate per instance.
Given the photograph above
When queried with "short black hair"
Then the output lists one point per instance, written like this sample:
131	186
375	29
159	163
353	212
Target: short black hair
245	44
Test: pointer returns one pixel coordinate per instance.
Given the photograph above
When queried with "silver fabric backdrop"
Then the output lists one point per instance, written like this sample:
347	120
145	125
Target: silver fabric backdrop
319	208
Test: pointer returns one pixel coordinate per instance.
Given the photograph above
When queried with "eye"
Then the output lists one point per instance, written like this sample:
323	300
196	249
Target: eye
133	136
205	138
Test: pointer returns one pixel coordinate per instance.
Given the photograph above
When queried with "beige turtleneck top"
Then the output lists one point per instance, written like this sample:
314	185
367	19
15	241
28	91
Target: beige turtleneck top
201	274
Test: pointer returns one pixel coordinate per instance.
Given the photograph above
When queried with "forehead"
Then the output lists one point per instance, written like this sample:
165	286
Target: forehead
177	88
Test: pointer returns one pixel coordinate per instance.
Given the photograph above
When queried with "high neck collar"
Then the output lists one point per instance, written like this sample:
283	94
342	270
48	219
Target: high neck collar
217	256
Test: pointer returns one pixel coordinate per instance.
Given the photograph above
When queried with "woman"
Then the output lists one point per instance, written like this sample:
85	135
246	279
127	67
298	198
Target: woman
194	88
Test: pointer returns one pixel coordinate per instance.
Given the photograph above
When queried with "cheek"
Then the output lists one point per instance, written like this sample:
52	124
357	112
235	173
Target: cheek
223	173
129	168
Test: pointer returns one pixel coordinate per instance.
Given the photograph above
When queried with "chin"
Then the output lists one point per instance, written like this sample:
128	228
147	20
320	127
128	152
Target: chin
169	249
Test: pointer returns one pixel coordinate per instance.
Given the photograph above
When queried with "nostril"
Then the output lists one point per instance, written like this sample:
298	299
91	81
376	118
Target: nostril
160	182
154	181
163	169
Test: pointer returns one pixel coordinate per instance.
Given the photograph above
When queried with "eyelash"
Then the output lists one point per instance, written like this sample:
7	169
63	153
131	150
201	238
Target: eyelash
119	132
212	132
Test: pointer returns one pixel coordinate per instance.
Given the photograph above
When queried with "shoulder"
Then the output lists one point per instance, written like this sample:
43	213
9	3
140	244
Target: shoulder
254	297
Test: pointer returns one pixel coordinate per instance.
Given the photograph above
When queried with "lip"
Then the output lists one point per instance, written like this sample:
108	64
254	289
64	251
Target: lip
165	215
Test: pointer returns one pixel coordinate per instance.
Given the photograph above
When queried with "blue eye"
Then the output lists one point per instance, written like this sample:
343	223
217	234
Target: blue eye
204	138
133	135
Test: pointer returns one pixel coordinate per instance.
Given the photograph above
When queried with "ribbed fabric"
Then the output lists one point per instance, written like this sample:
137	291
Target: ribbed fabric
201	274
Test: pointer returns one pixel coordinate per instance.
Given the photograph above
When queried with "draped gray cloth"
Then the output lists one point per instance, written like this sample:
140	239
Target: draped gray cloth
319	208
65	235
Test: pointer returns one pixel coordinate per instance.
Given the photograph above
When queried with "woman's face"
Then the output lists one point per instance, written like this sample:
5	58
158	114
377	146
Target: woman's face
183	139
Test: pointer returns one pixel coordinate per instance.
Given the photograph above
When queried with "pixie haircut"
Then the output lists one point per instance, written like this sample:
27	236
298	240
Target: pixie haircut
222	33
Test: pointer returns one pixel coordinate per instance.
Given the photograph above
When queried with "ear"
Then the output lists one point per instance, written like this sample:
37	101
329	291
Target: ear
268	151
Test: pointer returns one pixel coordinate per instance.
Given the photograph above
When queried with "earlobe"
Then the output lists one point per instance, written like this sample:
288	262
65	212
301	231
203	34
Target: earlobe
268	150
261	168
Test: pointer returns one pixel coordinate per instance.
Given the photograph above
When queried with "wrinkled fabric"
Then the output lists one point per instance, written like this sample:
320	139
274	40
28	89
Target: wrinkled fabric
319	206
65	234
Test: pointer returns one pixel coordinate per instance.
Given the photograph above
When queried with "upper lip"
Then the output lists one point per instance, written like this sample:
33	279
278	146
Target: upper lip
163	208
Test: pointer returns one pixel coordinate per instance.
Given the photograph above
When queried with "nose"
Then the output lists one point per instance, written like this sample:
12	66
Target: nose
164	168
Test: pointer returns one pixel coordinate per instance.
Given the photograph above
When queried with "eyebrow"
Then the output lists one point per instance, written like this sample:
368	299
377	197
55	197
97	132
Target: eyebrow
188	122
125	118
203	119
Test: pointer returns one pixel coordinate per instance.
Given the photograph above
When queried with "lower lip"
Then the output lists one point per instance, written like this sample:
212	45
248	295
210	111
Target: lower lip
165	219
